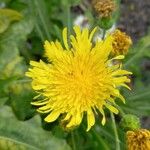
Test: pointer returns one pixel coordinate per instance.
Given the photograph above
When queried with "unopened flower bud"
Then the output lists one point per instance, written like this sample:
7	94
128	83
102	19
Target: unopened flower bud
130	122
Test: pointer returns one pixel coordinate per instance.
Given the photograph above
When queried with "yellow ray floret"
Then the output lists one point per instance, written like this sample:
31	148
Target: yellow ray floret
78	79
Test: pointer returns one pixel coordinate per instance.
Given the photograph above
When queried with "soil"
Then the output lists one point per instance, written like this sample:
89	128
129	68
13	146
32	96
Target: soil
135	18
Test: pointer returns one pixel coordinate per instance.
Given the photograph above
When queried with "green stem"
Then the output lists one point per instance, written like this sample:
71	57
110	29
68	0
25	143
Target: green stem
23	81
103	34
135	57
42	20
73	141
122	113
100	140
139	96
115	131
68	19
39	32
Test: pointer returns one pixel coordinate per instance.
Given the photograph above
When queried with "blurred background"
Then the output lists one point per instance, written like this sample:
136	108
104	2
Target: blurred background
24	26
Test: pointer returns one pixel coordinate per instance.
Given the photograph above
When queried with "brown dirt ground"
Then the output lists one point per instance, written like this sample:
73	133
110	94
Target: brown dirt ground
135	17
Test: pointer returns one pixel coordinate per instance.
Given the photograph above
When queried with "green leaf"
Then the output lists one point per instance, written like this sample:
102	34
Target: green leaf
137	52
41	18
70	2
10	61
6	17
19	5
3	100
95	139
137	100
13	67
27	135
11	64
21	96
5	1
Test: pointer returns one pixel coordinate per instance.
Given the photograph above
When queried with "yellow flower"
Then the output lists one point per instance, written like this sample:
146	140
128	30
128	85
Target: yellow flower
121	43
138	140
104	8
77	80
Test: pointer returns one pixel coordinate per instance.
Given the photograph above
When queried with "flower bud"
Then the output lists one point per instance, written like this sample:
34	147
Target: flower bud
130	122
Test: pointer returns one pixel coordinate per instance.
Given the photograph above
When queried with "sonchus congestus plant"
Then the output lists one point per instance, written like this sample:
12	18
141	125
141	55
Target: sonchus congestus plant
78	79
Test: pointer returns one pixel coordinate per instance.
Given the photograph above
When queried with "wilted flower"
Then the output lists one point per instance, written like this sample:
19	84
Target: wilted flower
80	79
121	43
104	8
138	140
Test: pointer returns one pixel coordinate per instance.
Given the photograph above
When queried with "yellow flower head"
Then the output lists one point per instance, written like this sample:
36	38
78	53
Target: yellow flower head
121	43
104	8
138	140
78	79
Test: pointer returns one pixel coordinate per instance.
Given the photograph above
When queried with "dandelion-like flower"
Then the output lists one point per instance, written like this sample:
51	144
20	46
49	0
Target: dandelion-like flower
78	79
121	43
138	140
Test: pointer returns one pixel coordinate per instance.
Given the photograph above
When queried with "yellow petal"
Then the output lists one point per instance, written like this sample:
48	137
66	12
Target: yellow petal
118	57
53	51
125	86
77	32
72	122
103	114
112	108
52	116
122	98
102	49
79	117
121	72
90	119
67	117
39	103
92	33
34	63
65	38
45	107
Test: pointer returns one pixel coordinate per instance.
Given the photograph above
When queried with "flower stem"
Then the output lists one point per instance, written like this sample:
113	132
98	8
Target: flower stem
42	18
100	139
122	113
115	132
73	141
68	19
103	34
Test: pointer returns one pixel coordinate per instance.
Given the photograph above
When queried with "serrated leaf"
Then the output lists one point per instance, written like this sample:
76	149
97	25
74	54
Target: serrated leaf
29	135
6	17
